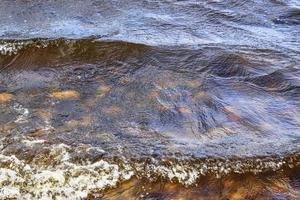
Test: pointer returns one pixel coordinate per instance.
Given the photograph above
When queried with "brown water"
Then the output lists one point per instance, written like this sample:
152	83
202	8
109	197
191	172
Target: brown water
149	99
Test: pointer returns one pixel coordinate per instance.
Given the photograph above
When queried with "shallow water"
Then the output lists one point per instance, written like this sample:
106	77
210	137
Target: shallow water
149	99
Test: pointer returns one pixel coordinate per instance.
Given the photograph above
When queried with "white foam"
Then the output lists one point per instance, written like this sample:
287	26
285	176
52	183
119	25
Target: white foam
183	174
11	48
10	192
66	180
32	142
23	113
48	127
62	178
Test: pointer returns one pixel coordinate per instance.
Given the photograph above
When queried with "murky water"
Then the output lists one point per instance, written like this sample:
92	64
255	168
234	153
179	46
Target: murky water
149	99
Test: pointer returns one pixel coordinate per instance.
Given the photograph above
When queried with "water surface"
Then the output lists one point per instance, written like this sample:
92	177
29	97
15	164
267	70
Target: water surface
149	99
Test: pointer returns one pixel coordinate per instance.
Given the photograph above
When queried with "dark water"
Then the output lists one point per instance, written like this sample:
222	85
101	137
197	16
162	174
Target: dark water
150	99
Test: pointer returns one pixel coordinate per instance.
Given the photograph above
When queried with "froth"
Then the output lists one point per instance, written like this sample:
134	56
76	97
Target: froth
64	181
11	48
64	178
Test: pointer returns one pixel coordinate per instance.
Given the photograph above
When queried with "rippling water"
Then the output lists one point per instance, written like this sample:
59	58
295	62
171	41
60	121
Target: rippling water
150	99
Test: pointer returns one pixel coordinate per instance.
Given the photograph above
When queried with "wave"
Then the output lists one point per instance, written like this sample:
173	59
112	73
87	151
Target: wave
97	95
63	171
50	52
157	23
214	59
84	115
276	81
